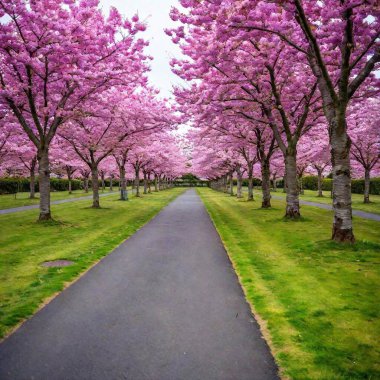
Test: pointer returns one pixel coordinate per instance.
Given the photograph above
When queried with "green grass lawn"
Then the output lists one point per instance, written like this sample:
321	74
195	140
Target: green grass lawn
317	301
22	199
81	234
357	200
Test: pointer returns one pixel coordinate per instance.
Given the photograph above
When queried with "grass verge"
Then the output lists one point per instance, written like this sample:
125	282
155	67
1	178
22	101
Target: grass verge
22	199
316	299
79	233
357	200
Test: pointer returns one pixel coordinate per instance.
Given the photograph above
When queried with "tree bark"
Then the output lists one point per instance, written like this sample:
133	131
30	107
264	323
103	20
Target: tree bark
155	183
111	183
302	192
239	193
123	185
292	199
274	181
334	108
103	183
70	185
250	183
367	181
32	194
137	183
85	184
231	184
95	187
145	184
44	184
265	185
340	158
320	181
149	184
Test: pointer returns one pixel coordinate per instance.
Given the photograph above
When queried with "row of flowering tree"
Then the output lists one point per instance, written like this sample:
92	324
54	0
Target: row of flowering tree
276	74
73	90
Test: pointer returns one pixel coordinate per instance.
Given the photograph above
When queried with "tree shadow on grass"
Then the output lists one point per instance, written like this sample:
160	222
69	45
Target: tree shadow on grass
56	223
301	219
97	208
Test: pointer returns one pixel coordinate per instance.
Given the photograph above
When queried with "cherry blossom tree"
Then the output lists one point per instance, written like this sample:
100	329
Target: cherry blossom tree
364	130
54	56
340	42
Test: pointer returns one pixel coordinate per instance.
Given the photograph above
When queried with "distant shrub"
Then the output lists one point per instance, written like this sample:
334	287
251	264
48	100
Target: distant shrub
357	185
11	185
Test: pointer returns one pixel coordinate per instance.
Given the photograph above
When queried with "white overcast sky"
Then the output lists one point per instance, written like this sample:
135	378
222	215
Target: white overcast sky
156	15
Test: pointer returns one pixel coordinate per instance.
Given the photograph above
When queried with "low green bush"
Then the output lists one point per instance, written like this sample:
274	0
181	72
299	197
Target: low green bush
357	185
11	185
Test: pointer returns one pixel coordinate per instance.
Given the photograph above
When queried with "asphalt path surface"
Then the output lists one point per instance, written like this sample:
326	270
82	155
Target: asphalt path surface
166	304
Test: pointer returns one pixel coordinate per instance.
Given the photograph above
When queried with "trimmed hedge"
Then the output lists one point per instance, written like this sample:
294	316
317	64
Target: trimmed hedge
11	185
357	185
256	182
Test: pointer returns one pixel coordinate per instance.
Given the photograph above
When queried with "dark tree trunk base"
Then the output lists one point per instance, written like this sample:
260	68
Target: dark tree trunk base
44	217
366	200
95	206
343	236
292	213
266	204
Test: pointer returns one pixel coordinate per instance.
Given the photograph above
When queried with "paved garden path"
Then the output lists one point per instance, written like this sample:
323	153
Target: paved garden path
68	200
360	214
165	305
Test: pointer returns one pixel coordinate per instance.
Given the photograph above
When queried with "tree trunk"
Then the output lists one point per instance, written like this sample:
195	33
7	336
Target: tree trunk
366	185
44	184
274	184
320	180
285	185
149	184
95	187
340	158
265	185
103	184
292	200
70	185
155	183
250	183
302	192
111	184
231	184
123	185
32	194
85	184
145	184
137	184
239	193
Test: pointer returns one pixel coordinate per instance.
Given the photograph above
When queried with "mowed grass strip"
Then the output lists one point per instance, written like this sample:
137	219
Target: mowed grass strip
357	200
79	233
22	198
317	300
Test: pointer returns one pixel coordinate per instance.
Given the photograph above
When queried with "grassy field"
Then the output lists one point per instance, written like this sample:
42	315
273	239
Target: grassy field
317	301
81	234
22	199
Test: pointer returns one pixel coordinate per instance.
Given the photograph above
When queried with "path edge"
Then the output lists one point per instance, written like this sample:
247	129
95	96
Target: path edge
67	284
262	323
